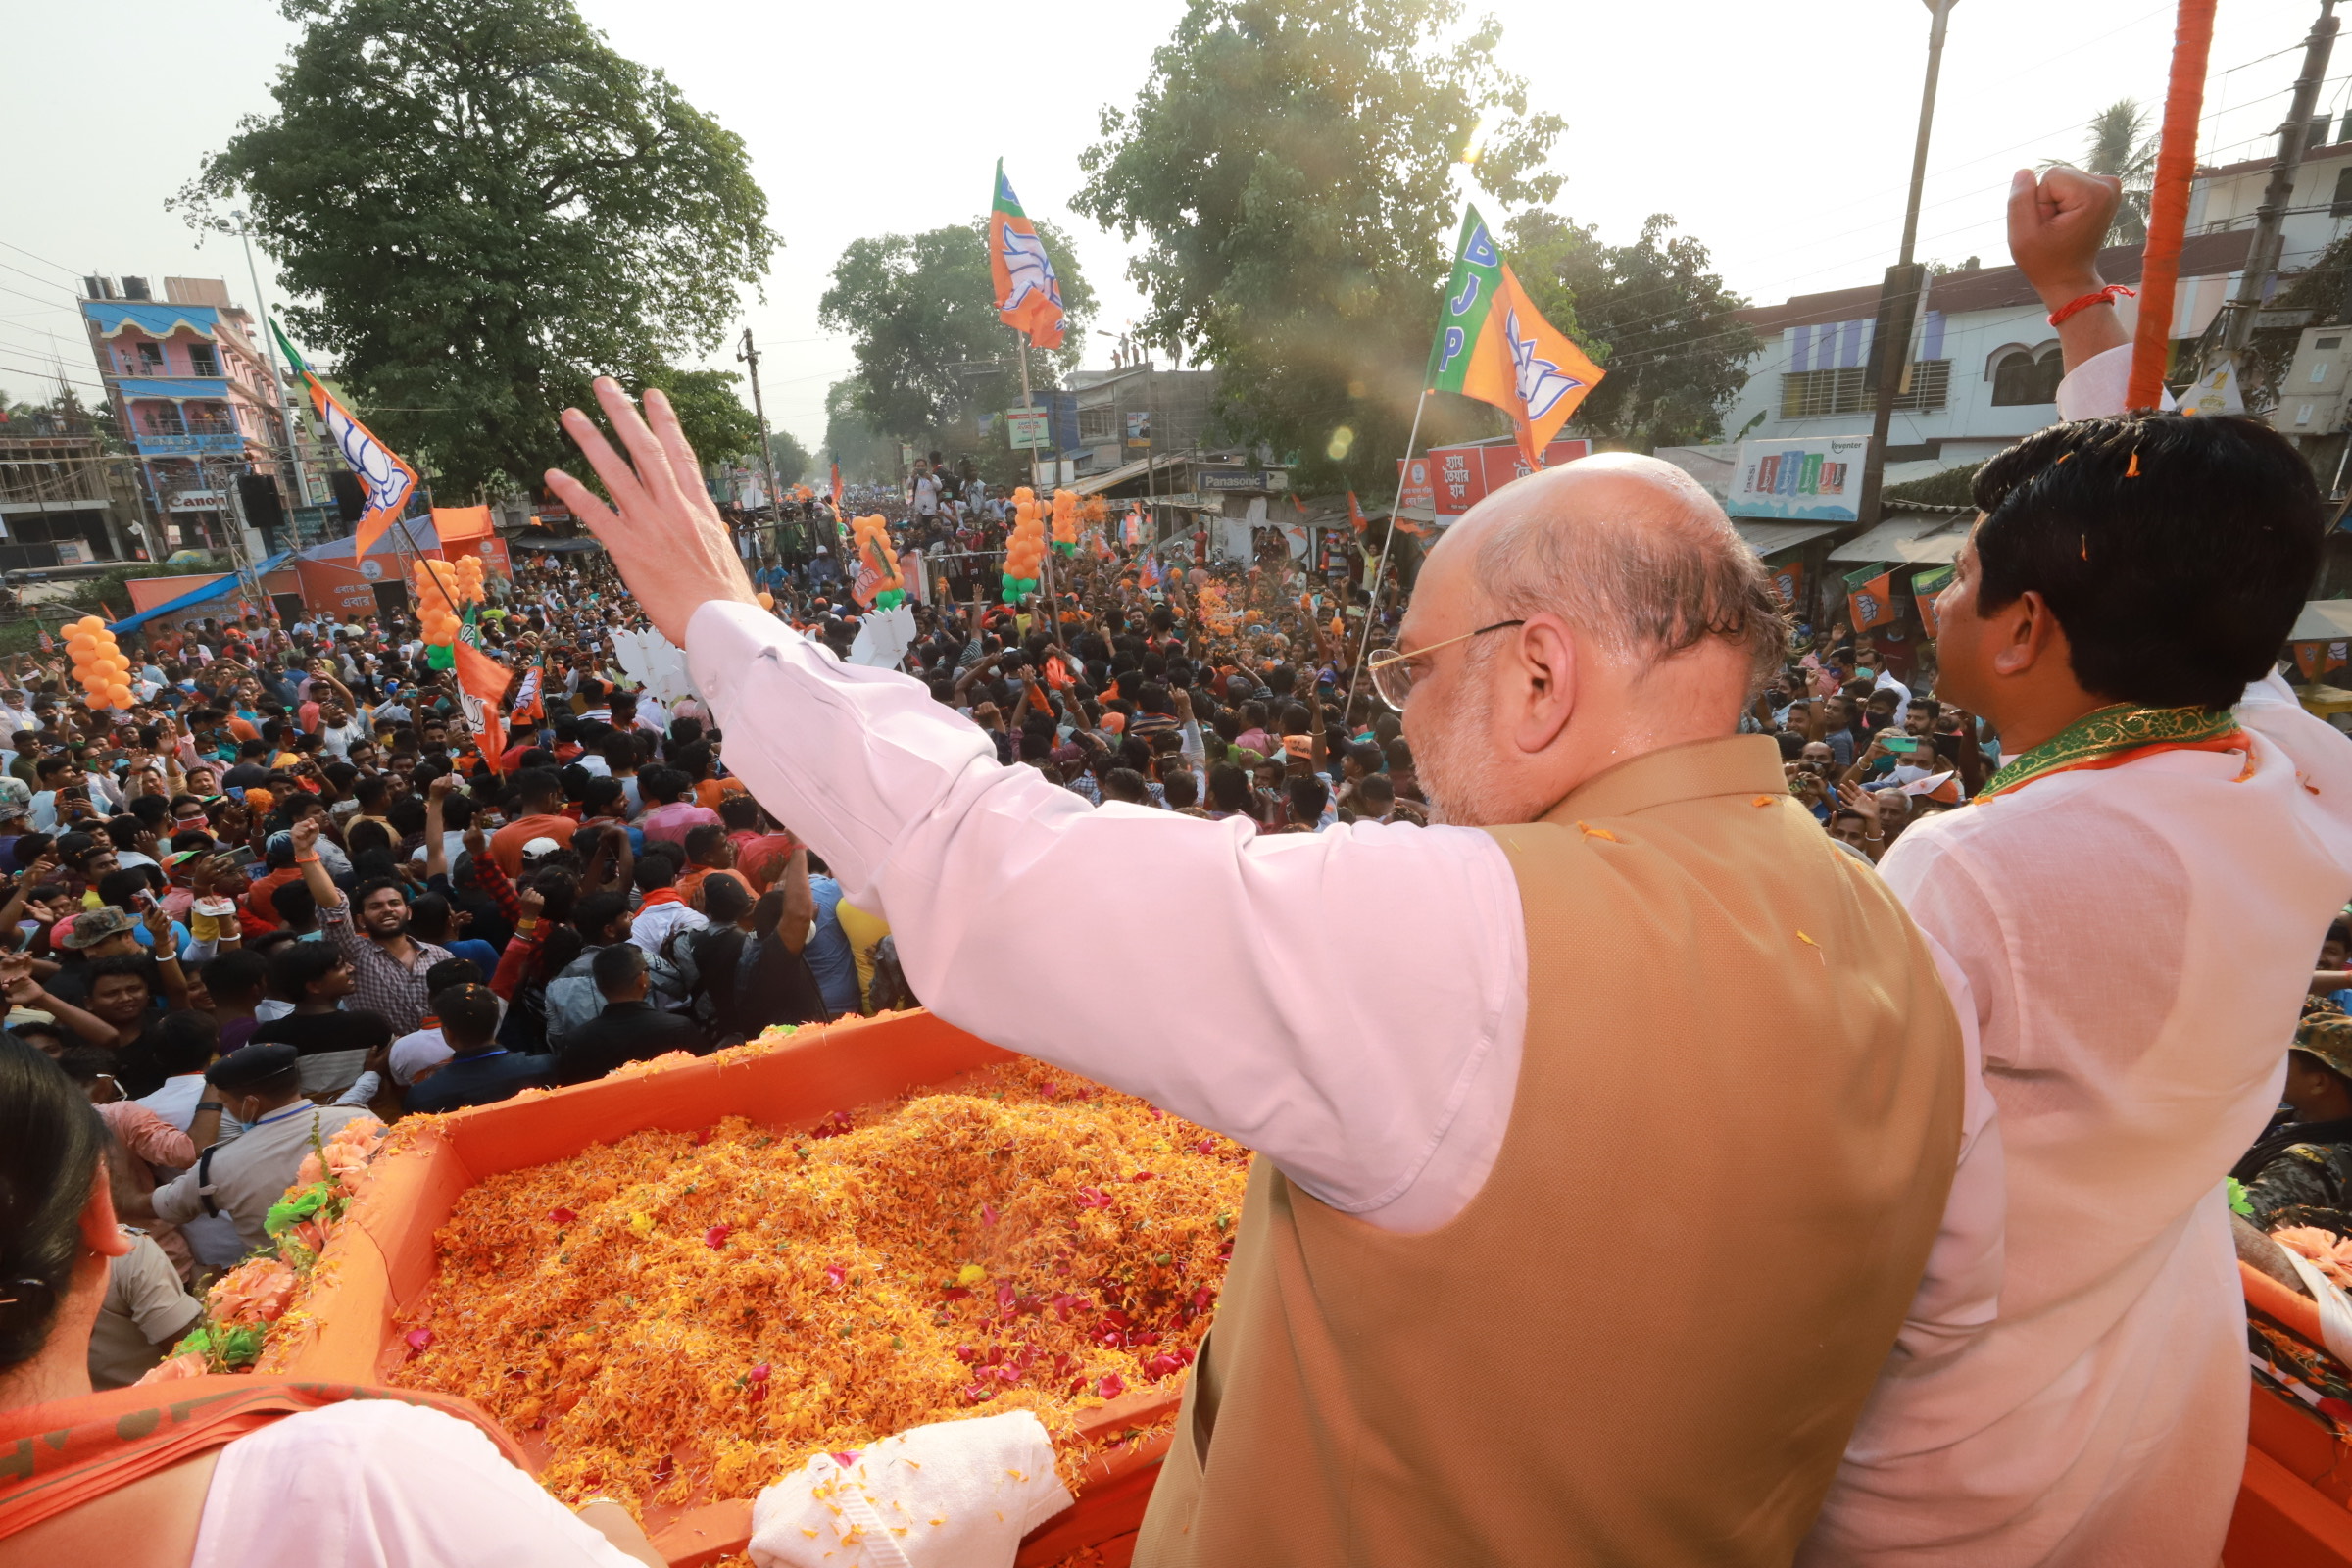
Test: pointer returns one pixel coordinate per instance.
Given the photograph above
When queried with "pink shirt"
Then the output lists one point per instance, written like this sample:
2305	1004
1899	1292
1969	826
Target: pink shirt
671	823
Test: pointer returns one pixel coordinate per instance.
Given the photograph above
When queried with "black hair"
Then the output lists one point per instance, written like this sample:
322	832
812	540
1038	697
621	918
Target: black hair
617	966
366	890
467	1010
599	909
1308	796
2175	552
186	1042
657	867
662	784
299	966
452	972
51	1142
724	900
238	972
296	904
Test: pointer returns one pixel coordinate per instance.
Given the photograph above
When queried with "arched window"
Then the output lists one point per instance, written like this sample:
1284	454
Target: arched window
2015	380
2048	370
2023	376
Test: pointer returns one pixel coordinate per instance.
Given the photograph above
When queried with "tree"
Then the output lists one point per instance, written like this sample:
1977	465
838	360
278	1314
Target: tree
1289	168
921	315
791	459
1650	314
2122	145
866	453
713	416
479	206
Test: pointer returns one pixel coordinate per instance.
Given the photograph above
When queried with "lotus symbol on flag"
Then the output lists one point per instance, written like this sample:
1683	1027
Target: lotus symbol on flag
386	480
1032	273
1542	383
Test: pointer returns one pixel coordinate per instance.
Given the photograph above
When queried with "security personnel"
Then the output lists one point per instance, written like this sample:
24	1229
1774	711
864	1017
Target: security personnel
260	1087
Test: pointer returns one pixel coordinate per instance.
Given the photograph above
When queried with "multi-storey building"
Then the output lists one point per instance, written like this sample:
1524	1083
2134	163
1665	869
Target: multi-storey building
193	395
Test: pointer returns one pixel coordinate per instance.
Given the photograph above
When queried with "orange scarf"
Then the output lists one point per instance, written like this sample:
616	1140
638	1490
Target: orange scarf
58	1456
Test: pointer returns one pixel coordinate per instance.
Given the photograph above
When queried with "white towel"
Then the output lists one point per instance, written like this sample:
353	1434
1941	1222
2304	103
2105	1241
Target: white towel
951	1494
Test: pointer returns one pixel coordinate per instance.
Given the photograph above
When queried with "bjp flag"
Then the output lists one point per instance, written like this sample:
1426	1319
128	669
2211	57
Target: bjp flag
385	482
1870	595
1028	294
1493	345
1924	586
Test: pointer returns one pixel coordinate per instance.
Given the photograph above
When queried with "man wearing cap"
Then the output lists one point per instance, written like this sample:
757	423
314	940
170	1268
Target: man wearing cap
260	1087
2299	1172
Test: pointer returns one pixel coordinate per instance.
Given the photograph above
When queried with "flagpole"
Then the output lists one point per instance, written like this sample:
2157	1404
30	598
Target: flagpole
1380	574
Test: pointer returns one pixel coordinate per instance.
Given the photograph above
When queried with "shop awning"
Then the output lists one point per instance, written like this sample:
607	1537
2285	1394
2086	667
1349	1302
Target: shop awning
1915	538
1093	484
2324	620
1767	538
202	593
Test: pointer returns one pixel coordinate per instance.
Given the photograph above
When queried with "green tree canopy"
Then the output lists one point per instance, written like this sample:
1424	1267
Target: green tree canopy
1651	314
866	455
479	205
920	314
708	409
792	460
2122	143
1288	169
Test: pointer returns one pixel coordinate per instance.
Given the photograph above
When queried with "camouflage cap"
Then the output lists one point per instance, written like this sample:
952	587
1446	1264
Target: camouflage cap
2328	1038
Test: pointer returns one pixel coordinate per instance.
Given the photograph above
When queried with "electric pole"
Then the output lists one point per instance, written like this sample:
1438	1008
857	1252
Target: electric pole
2262	255
750	356
1898	296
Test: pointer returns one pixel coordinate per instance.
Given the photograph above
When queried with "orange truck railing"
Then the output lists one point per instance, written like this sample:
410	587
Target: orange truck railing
381	1261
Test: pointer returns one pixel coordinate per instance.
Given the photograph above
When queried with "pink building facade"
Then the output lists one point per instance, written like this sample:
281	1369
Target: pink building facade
193	395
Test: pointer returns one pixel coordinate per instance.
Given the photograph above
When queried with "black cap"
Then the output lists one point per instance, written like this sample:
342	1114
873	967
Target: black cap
250	1065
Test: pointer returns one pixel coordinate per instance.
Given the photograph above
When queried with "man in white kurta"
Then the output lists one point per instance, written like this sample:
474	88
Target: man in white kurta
2132	945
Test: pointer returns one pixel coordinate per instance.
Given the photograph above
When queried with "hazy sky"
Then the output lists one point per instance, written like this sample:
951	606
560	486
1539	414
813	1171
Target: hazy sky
1780	135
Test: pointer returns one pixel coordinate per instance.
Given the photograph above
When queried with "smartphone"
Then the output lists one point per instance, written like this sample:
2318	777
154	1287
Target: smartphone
241	857
1900	745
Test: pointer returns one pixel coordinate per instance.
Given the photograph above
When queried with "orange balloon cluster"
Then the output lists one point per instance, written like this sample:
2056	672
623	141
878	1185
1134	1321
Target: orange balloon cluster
441	589
1025	551
871	544
1066	521
99	663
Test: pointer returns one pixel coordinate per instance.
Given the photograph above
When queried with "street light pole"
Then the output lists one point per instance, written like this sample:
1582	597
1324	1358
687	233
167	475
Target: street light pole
1898	296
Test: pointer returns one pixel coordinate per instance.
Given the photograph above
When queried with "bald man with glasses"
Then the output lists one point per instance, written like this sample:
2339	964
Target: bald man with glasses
1500	1294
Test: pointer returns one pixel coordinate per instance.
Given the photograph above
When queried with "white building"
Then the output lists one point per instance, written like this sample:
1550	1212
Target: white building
1984	359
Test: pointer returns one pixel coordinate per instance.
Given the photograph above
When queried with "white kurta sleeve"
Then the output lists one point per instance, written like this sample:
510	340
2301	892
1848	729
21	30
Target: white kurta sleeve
1350	1003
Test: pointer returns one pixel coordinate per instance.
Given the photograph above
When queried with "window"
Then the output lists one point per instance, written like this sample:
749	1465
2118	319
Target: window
1928	382
2019	377
1812	394
1809	394
2341	207
2327	342
1098	424
151	358
203	360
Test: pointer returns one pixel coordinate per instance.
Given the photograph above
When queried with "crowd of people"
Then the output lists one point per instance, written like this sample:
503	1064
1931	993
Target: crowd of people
289	886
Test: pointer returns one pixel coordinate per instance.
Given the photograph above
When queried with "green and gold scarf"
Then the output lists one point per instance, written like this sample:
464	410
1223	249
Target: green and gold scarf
2114	736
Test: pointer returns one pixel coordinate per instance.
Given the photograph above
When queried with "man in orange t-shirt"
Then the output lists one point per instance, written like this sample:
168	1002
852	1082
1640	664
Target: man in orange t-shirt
542	805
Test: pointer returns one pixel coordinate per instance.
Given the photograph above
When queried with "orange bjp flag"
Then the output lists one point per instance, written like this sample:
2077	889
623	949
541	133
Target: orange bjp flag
1028	293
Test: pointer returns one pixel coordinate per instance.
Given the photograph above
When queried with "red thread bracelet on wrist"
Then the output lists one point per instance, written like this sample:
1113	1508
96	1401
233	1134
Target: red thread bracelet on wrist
2099	296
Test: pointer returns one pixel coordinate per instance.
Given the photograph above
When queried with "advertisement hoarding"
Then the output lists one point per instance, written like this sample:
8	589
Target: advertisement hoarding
1810	479
1451	480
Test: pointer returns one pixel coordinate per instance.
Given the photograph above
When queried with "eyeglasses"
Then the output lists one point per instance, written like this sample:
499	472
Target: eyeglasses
1394	671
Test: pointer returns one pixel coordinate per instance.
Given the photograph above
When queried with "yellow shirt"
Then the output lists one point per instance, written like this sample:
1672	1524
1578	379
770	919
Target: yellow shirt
863	931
